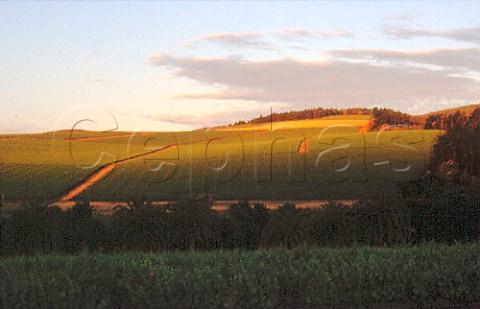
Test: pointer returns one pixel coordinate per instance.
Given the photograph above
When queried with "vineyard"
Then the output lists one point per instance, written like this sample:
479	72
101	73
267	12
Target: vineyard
232	162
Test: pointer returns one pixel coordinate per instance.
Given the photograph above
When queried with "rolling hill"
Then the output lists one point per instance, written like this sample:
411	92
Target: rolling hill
250	161
467	110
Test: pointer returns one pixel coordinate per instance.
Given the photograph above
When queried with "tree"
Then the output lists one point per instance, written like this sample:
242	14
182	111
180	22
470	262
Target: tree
383	116
382	220
193	225
34	229
288	227
435	122
248	223
141	227
456	155
82	230
445	203
334	226
444	213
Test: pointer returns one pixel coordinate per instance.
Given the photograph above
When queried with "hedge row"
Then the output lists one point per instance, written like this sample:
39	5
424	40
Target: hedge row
279	278
191	225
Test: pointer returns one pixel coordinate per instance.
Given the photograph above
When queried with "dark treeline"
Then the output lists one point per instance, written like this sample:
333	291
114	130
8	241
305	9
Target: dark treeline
448	122
188	225
381	116
193	225
387	117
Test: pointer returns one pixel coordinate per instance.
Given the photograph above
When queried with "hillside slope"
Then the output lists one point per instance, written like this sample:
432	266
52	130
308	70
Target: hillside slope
467	109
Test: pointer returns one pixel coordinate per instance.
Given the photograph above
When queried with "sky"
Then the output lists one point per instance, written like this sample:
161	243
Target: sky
156	66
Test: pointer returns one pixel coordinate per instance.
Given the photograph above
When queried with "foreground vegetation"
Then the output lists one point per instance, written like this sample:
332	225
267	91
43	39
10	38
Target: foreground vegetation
436	275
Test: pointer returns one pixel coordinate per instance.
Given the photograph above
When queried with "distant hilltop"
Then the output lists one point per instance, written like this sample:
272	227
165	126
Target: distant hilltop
467	110
380	116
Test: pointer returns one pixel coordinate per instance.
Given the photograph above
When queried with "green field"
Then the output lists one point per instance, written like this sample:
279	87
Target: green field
44	166
433	276
348	117
340	163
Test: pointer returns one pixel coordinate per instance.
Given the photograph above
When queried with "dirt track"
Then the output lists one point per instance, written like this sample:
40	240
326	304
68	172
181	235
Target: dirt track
97	176
103	171
94	138
106	169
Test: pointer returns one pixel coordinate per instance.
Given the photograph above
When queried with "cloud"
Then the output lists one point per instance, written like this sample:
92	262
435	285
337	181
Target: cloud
196	120
457	59
332	83
293	34
462	35
268	40
181	118
399	16
209	119
239	39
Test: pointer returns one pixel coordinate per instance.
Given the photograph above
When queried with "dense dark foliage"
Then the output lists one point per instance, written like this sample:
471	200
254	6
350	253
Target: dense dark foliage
445	202
246	223
192	225
387	117
447	122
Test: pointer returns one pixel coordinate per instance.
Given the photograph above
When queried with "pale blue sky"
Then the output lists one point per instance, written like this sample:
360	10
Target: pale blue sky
171	65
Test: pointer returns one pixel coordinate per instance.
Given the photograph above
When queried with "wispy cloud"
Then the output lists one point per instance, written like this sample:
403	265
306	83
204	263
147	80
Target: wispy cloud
196	120
462	35
206	118
333	83
453	59
269	40
400	16
300	33
237	39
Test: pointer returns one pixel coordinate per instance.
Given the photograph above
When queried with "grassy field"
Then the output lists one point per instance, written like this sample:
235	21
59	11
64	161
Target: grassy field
43	166
340	120
250	162
433	276
250	169
348	117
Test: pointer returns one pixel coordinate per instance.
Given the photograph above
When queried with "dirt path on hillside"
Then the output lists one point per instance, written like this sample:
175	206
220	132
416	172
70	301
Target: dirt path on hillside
106	169
103	171
94	138
97	176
